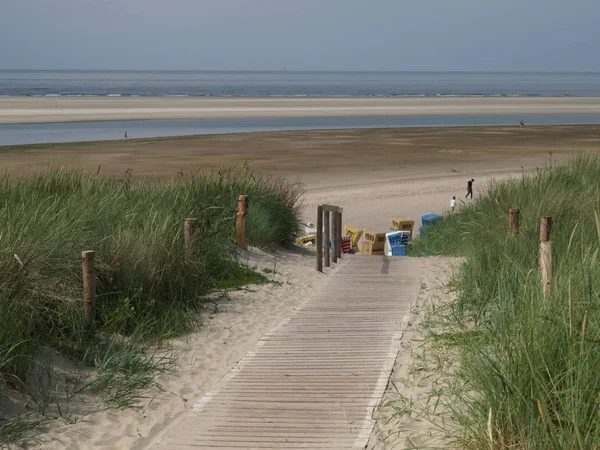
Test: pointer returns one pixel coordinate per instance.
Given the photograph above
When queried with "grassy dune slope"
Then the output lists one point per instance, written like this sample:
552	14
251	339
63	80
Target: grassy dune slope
147	290
530	367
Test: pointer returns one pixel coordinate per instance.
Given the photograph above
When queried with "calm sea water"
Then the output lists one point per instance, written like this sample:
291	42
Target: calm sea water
291	84
21	134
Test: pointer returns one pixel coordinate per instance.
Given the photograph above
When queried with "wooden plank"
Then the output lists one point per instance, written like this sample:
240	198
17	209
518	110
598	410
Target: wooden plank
314	380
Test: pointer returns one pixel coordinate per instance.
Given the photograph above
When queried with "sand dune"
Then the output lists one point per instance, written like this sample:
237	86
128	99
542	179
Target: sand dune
40	110
373	174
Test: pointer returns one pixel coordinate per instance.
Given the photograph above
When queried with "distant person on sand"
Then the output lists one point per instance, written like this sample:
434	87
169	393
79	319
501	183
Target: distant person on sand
126	135
522	123
453	203
470	188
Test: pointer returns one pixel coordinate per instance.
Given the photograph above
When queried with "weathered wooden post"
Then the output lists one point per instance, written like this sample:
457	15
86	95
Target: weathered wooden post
546	253
334	252
513	220
89	287
326	237
240	223
320	238
547	264
545	228
189	236
339	235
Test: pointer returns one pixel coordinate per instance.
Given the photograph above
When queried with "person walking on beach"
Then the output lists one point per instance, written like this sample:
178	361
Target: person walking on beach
453	203
126	135
470	188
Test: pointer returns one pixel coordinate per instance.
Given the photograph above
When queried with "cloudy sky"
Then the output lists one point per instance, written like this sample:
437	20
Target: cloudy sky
438	35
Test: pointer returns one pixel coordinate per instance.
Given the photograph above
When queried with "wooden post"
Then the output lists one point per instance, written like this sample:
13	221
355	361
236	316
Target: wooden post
189	235
334	237
89	287
513	220
545	228
320	238
546	264
339	237
240	223
326	237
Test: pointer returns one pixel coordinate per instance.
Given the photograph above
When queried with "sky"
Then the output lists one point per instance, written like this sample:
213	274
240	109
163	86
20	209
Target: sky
416	35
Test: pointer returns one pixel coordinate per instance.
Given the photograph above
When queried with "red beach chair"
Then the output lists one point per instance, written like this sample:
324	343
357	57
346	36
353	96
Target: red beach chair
346	244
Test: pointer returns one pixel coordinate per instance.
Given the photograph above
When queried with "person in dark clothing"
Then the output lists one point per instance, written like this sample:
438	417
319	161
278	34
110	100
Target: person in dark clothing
470	188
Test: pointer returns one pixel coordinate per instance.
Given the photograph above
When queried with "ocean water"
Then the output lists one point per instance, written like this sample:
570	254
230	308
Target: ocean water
21	134
296	84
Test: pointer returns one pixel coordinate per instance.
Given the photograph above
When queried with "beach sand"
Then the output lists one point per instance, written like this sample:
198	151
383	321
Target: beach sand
372	174
233	322
412	414
59	109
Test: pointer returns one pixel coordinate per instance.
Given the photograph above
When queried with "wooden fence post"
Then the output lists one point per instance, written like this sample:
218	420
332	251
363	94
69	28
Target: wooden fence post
334	237
320	238
545	228
240	222
513	220
89	287
326	237
189	236
547	264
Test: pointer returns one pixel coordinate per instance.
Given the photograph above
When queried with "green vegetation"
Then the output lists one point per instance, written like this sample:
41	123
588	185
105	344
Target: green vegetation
530	368
147	290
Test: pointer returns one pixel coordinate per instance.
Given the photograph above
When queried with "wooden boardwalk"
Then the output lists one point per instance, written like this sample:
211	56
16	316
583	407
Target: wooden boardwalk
312	382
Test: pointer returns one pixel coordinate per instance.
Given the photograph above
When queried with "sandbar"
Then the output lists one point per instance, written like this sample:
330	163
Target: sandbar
80	109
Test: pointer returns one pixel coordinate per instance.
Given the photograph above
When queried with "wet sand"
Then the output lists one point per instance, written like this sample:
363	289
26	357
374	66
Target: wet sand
374	173
59	109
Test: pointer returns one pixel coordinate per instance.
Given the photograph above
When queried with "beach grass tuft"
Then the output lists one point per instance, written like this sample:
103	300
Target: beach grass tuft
529	369
147	290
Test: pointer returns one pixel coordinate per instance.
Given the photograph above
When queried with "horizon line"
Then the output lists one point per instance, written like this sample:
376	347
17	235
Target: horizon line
306	71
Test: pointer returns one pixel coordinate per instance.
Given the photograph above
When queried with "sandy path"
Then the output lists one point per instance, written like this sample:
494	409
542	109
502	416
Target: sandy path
372	205
233	324
410	415
39	110
244	316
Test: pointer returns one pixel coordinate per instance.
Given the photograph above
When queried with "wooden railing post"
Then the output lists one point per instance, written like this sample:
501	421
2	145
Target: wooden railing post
89	287
334	252
513	220
545	228
326	237
240	223
546	253
547	264
332	229
339	235
320	238
189	236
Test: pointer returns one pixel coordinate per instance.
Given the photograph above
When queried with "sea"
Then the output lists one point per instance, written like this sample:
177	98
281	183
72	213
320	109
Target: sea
17	83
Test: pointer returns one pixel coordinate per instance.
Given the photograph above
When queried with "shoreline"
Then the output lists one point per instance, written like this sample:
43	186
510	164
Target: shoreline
8	148
66	110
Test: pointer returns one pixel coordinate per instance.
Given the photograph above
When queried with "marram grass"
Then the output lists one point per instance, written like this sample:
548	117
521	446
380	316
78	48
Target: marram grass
147	290
532	381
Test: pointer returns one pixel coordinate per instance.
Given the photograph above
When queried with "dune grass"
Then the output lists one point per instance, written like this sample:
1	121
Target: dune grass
147	291
531	375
